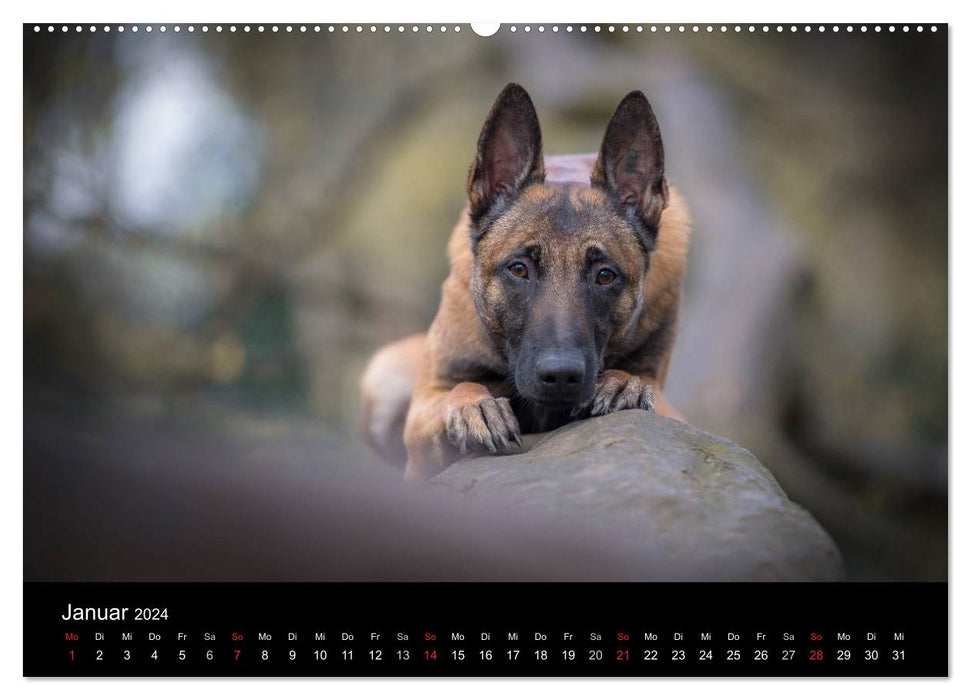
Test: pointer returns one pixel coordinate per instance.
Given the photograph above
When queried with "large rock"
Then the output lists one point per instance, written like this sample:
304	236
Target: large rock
697	506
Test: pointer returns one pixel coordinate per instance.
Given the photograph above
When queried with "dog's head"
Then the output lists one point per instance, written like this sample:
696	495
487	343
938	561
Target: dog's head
559	267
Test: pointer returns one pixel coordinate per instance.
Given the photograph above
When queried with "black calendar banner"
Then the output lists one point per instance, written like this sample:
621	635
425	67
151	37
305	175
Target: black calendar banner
505	629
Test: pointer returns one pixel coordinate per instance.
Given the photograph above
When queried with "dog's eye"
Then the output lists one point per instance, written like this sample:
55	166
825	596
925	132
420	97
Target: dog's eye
519	270
606	276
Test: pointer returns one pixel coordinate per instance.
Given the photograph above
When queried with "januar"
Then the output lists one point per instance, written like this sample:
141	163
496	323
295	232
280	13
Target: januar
102	614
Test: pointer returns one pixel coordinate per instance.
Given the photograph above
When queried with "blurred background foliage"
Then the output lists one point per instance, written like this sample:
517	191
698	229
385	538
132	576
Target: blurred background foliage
222	227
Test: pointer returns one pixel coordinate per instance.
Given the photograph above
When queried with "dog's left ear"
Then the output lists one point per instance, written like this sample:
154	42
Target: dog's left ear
631	161
510	152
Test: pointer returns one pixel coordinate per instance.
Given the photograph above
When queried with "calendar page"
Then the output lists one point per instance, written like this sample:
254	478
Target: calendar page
541	349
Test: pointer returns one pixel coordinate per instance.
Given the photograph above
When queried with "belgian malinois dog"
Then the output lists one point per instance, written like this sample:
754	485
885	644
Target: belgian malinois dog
562	299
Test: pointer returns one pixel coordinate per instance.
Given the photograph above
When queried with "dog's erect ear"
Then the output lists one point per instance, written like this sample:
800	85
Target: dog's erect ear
631	160
510	154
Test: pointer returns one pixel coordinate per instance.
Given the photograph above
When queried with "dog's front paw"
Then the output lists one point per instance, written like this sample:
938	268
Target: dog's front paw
618	391
488	423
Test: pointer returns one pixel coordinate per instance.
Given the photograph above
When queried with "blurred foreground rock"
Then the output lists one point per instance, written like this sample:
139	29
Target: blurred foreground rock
704	506
127	490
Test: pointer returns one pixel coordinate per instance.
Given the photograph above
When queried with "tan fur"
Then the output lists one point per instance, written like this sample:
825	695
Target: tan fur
386	387
457	332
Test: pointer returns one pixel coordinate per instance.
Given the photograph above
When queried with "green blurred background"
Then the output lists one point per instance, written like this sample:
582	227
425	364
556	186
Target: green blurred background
220	227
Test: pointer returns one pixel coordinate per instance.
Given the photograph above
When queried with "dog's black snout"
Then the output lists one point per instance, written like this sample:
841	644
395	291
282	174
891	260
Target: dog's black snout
561	369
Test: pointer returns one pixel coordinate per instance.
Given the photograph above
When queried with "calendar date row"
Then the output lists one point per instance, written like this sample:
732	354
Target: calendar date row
432	655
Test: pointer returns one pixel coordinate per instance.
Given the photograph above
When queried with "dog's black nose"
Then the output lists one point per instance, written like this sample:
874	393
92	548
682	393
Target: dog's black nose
561	370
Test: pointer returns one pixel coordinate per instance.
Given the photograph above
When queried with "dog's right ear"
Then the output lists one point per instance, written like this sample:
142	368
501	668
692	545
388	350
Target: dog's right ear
510	154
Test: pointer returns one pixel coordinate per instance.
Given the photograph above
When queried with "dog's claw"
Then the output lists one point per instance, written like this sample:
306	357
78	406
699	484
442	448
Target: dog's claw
487	425
617	394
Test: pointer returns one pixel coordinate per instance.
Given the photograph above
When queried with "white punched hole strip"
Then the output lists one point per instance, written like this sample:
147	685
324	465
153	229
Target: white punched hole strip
489	29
